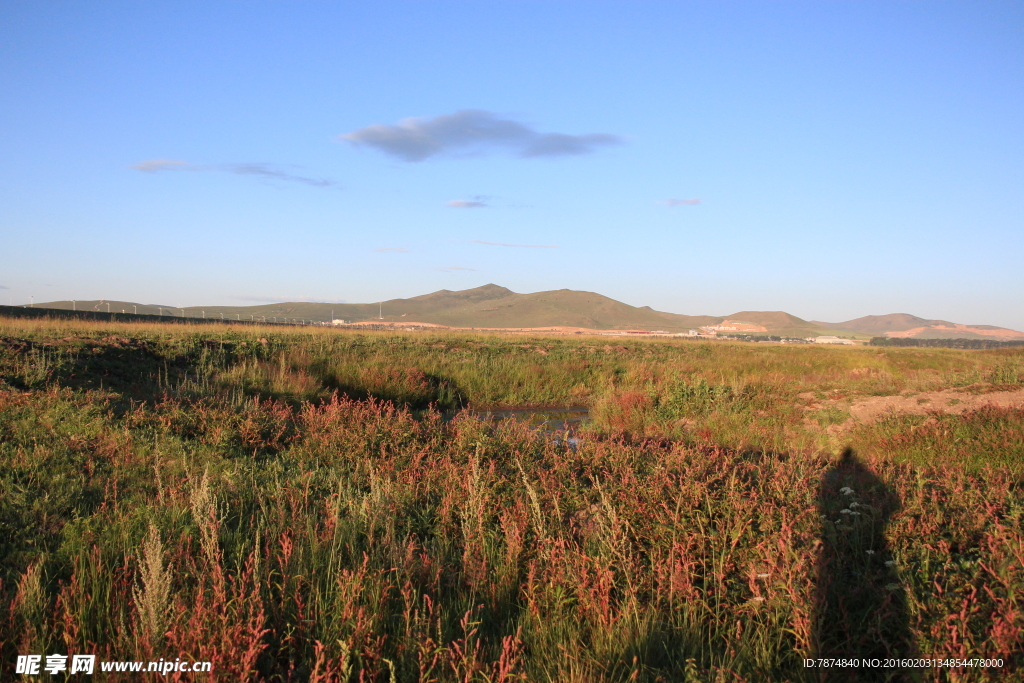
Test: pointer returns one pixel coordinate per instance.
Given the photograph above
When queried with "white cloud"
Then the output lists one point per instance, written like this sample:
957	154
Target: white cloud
466	204
268	171
472	131
154	165
680	202
525	246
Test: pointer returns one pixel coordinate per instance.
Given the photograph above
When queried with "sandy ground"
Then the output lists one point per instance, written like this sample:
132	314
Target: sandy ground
869	409
998	333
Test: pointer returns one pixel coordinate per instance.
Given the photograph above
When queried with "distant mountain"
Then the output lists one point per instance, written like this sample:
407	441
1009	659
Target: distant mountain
109	306
688	321
879	325
487	306
481	307
770	319
492	306
780	323
906	325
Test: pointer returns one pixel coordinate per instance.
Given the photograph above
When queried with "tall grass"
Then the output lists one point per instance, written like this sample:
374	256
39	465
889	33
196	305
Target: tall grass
223	508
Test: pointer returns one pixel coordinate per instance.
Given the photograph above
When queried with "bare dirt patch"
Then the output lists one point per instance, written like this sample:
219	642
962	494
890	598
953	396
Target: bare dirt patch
970	331
869	409
873	408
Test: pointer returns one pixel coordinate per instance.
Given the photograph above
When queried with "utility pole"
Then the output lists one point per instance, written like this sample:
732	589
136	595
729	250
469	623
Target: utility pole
136	309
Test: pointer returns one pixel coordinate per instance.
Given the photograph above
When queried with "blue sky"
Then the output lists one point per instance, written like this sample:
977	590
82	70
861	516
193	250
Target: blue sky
829	159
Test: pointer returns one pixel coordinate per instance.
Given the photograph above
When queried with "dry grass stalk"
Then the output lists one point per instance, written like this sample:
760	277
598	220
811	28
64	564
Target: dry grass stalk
152	592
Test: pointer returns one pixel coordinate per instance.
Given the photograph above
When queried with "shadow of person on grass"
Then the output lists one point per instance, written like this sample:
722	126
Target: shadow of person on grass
860	607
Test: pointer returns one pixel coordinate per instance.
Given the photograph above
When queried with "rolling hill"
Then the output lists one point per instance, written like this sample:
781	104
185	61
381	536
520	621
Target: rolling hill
492	306
486	306
910	326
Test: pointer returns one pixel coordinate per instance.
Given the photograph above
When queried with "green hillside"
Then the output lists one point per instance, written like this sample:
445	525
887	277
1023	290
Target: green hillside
878	325
498	307
690	322
883	325
111	306
563	307
487	306
783	324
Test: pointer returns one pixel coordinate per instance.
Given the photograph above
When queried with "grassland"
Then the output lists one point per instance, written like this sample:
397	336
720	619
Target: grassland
297	506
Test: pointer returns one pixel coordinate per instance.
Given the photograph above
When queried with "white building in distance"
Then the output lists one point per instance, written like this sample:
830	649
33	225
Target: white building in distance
828	339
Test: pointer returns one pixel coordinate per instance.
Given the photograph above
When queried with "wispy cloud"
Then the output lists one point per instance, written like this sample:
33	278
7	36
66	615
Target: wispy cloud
471	131
680	202
287	300
458	268
267	171
154	165
4	287
475	203
392	250
526	246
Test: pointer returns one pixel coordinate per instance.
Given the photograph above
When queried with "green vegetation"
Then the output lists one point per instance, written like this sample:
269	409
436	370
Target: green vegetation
990	437
486	306
294	506
491	306
959	342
